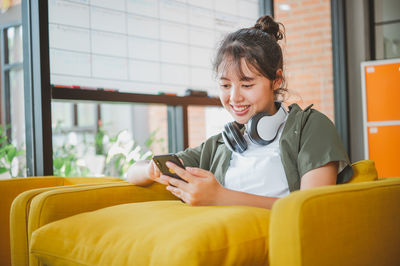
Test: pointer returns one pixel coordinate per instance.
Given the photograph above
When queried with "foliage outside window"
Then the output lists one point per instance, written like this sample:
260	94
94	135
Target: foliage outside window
102	154
12	162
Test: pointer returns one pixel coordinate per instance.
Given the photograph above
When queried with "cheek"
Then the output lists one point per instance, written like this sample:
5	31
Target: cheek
224	97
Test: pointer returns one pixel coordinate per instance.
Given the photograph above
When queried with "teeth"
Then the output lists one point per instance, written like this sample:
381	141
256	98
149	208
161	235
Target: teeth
241	108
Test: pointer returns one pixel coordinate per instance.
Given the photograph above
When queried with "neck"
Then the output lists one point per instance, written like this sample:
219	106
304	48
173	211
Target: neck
273	108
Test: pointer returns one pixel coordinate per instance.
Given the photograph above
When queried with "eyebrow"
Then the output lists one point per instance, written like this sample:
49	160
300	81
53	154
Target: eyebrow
242	79
247	78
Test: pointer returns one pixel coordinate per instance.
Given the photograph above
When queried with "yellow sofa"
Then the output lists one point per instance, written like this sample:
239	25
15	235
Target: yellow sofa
122	224
11	188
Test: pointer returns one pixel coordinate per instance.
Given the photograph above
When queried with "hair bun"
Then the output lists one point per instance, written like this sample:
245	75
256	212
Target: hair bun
269	25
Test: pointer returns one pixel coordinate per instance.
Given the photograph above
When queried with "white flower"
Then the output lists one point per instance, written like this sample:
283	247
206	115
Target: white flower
124	137
81	162
114	150
72	139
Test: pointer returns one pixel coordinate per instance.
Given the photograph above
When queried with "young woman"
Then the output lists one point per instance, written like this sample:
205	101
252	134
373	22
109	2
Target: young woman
267	152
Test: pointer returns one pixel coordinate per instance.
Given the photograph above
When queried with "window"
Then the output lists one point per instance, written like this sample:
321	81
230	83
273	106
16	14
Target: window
148	48
387	28
205	122
103	143
12	103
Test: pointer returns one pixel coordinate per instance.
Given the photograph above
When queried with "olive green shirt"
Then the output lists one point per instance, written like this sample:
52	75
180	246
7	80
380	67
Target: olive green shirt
309	140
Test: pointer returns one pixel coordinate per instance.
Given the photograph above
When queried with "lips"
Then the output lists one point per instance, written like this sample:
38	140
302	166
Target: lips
240	109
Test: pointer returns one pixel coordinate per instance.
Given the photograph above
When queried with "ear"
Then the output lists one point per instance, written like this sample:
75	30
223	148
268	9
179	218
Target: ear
278	80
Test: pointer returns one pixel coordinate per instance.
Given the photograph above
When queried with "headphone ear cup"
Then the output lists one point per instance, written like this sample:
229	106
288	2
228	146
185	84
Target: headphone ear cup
227	141
263	128
233	138
252	129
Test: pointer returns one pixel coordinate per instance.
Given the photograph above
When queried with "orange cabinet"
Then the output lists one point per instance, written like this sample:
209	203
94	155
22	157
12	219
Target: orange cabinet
381	114
384	149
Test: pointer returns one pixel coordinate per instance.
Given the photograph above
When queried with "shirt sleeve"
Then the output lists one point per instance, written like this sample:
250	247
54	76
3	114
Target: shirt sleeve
320	144
191	156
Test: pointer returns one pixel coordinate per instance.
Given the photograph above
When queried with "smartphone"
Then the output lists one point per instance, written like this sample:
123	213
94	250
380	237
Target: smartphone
160	161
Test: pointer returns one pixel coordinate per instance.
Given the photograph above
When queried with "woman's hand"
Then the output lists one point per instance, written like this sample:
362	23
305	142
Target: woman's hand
200	188
153	172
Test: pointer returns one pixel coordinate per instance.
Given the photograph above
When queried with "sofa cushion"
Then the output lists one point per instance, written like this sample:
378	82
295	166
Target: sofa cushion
364	171
156	233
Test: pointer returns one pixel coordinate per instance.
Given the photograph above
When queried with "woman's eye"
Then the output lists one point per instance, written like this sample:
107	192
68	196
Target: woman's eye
225	86
248	86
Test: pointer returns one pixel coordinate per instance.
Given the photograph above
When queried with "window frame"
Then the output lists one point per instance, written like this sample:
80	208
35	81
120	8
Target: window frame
340	70
39	94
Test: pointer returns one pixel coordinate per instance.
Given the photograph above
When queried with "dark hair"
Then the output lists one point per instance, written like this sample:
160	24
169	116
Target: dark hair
259	46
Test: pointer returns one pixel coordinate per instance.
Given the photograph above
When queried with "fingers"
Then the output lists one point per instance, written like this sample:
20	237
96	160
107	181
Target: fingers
198	172
161	181
152	170
182	173
154	173
156	170
174	182
178	192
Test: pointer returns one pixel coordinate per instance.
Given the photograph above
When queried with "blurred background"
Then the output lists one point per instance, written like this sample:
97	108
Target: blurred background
90	86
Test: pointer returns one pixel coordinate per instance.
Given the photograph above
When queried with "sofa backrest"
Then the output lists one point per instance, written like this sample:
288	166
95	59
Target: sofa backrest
364	171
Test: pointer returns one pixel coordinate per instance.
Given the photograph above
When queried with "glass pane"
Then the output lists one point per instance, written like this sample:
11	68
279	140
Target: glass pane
205	122
14	39
61	115
87	115
307	52
17	167
125	133
386	10
387	41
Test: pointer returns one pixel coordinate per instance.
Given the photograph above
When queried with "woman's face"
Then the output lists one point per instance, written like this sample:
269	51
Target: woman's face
246	96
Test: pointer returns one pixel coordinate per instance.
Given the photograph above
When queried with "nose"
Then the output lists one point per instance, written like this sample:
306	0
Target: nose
236	96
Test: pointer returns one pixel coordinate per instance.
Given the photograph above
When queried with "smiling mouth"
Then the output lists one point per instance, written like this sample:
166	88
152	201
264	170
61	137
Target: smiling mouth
240	108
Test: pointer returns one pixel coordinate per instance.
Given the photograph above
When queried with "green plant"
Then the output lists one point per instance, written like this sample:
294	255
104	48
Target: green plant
98	140
123	152
67	159
8	154
119	151
152	140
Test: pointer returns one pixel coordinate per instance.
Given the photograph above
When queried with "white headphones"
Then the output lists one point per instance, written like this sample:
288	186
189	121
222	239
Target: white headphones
262	129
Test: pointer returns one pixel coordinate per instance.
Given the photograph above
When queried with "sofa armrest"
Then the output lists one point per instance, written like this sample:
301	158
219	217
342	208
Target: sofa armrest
58	204
9	190
19	213
352	224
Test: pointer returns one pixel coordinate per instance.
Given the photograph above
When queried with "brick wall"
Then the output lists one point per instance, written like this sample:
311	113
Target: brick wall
308	52
158	123
197	125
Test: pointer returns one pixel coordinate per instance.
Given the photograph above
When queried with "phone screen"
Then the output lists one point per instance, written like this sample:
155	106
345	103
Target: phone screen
160	161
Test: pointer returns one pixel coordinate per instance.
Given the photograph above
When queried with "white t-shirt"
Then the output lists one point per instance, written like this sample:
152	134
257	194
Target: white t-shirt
258	170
